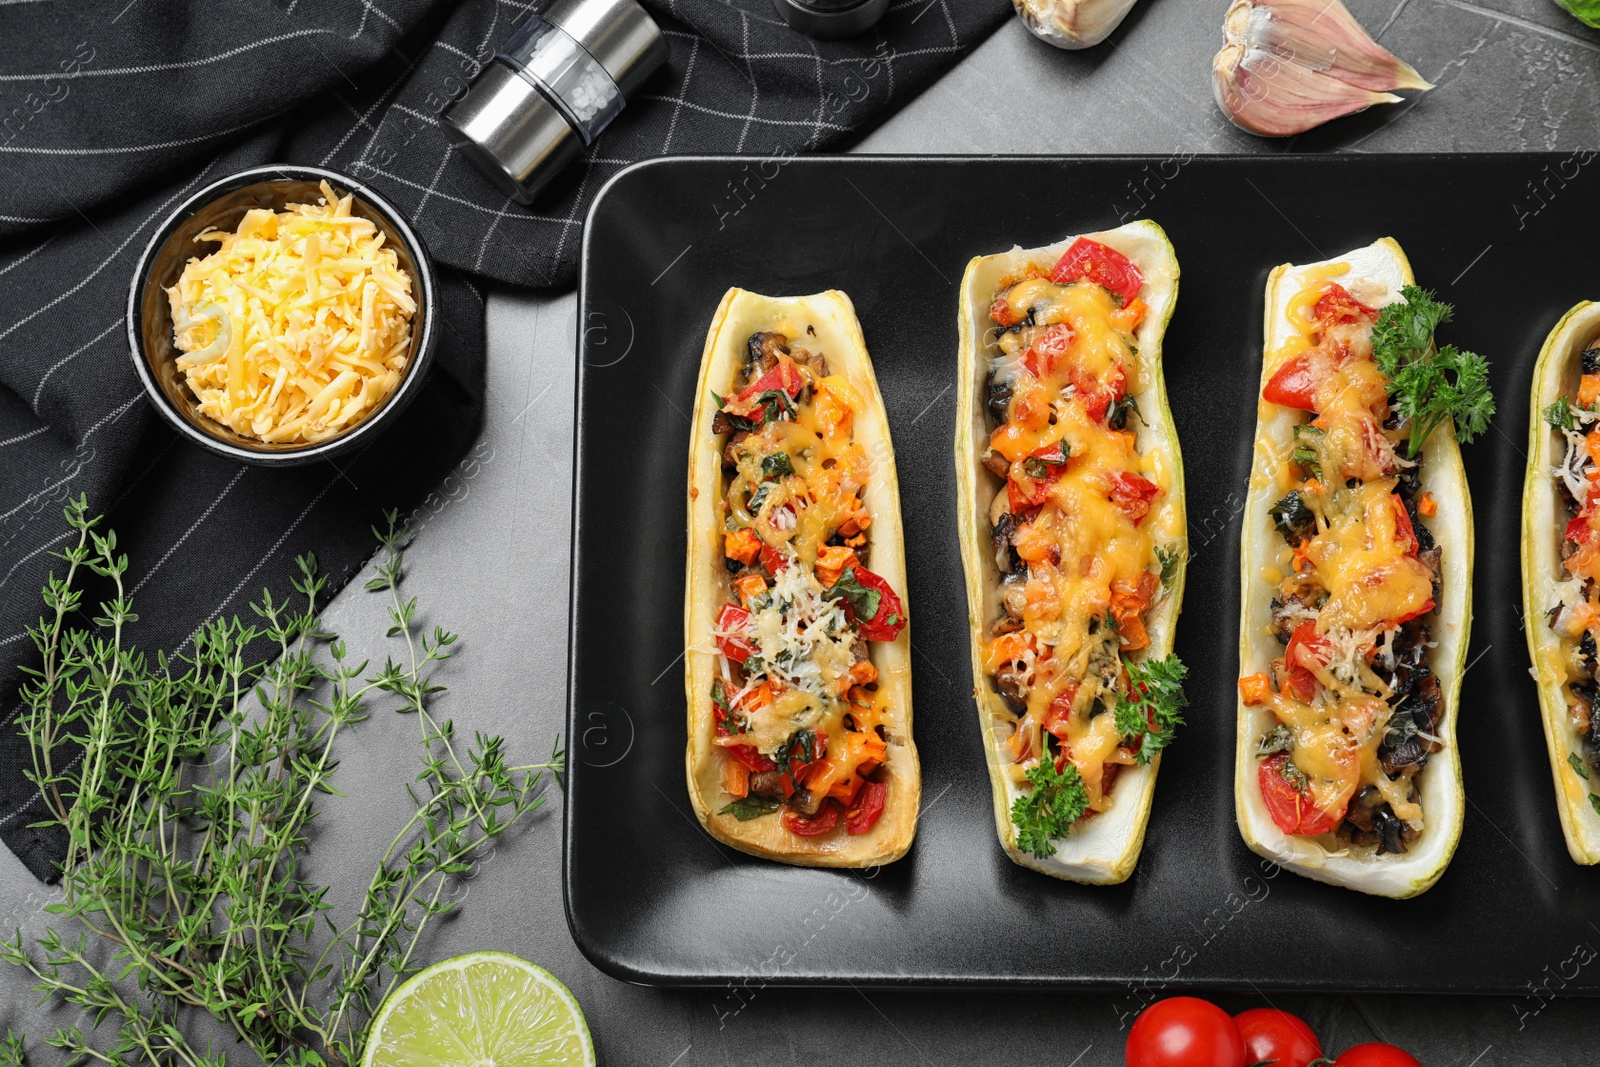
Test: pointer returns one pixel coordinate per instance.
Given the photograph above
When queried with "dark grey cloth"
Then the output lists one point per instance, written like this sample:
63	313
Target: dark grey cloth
112	113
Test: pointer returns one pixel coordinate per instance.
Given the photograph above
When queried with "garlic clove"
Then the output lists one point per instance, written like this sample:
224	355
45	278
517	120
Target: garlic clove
1072	23
1322	35
1290	65
1266	95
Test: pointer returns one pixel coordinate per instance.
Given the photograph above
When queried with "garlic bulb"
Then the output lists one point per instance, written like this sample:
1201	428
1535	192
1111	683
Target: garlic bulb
1072	23
1290	65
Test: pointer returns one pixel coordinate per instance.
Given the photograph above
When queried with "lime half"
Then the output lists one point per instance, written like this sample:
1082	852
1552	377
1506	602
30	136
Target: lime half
484	1009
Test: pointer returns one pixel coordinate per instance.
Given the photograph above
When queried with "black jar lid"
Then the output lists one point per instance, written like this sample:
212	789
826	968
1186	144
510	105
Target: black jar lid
830	20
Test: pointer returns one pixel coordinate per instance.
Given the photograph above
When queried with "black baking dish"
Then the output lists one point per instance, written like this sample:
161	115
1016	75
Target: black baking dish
651	898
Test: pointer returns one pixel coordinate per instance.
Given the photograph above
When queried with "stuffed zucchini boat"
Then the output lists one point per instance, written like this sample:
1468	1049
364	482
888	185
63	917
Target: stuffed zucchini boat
1073	539
1560	565
1357	579
798	655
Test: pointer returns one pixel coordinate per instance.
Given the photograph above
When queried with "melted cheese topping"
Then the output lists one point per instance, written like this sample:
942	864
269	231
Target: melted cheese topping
798	482
1082	546
299	324
1357	557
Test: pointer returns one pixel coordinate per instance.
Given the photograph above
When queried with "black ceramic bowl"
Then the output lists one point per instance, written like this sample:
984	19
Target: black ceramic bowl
221	205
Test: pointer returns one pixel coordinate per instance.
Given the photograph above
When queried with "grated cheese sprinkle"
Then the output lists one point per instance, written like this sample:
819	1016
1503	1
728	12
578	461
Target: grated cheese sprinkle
298	326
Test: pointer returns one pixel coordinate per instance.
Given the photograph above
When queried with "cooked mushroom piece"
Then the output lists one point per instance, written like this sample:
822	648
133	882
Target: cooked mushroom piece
1012	685
999	397
762	351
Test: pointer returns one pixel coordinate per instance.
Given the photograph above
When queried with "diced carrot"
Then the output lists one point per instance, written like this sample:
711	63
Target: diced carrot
1312	486
749	587
1427	507
735	778
1006	648
1588	390
863	673
832	561
857	541
1255	689
742	545
759	697
1128	318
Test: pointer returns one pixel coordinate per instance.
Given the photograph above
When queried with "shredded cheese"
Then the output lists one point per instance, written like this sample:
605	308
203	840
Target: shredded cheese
298	325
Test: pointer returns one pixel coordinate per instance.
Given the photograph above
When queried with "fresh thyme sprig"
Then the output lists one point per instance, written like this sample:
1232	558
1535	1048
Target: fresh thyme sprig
187	784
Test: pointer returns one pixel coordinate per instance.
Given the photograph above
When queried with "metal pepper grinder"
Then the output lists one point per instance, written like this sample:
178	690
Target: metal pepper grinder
552	87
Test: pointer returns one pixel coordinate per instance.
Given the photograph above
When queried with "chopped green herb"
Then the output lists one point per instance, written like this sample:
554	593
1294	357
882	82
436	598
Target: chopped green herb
1117	414
1560	415
1430	386
751	807
1577	766
1279	740
863	601
1170	558
777	465
1047	814
802	745
1594	802
1152	704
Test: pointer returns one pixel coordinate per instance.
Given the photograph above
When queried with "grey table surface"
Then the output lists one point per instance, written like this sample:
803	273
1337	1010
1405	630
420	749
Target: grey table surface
490	560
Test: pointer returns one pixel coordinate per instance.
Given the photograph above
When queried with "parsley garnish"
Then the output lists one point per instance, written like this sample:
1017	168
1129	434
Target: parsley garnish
1430	386
863	601
751	807
1577	766
802	745
1594	802
1043	816
1279	740
1151	705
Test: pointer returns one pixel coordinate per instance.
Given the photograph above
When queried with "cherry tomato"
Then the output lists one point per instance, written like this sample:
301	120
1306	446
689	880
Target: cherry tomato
826	818
1132	494
1184	1032
1376	1054
1096	396
1293	810
866	807
733	646
1049	351
1277	1037
1336	305
1104	266
1293	385
1301	680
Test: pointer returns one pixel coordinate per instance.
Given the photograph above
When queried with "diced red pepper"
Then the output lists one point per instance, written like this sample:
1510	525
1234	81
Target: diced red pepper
1132	494
1049	352
1579	531
866	807
826	818
785	375
1104	266
1404	531
1419	613
751	757
736	648
1025	492
891	617
1293	385
772	561
1293	810
1060	712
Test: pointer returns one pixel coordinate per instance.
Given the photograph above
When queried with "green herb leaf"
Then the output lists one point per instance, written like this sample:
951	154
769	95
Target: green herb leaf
1279	740
751	807
777	465
1594	802
1152	704
1430	387
1578	766
1588	13
1561	415
1169	557
863	601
